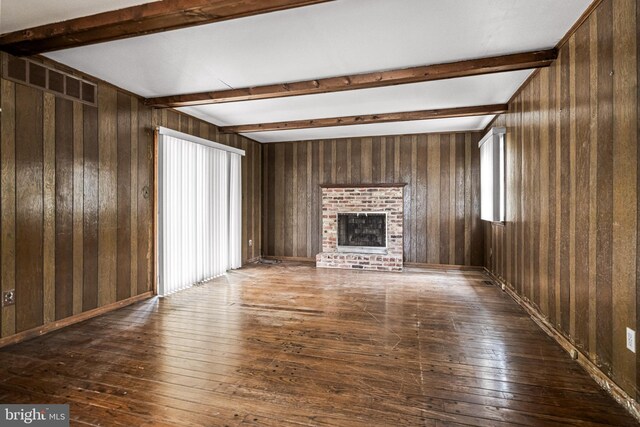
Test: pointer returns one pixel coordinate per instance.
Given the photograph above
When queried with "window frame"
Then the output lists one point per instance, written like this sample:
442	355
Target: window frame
493	154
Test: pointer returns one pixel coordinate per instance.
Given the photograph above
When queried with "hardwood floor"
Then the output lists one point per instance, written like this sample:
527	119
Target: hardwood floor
291	345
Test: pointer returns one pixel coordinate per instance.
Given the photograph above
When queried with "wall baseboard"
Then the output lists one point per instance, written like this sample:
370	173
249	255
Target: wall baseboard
289	258
59	324
406	264
454	267
620	396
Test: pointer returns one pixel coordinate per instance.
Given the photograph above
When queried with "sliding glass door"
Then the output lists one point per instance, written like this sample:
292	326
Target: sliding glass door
199	210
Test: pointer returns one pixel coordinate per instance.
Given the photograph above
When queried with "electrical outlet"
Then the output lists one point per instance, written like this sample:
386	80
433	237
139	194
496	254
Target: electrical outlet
9	298
250	243
631	339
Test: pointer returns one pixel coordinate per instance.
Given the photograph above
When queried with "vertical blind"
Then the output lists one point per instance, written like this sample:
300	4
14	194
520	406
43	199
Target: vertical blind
199	210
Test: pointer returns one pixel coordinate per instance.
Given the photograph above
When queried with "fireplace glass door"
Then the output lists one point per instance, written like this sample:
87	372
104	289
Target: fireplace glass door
362	232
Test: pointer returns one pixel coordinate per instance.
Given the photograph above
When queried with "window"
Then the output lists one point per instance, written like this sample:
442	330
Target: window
492	182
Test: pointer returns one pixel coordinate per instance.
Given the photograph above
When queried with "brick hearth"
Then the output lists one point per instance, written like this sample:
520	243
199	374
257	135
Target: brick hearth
365	199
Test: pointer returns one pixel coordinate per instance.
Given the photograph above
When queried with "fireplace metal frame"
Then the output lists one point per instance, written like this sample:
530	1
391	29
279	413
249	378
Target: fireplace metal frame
380	250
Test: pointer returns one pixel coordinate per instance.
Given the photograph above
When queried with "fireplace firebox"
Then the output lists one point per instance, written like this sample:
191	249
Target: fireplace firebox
362	232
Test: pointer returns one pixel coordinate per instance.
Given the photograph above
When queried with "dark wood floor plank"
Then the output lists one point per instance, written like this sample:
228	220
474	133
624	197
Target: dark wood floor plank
295	345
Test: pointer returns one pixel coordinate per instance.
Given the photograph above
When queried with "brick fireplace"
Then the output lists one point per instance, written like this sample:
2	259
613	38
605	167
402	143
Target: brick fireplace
362	227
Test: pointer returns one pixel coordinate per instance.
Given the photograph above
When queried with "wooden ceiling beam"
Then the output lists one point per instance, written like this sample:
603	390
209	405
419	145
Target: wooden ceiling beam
472	67
135	21
442	113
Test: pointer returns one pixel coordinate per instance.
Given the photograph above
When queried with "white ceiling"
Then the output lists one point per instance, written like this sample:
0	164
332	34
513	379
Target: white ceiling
19	14
417	126
329	39
489	89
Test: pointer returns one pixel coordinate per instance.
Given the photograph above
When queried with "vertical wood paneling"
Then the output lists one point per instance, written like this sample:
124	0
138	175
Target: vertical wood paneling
90	209
451	256
347	159
107	195
63	209
316	214
376	159
29	208
172	119
245	214
339	154
516	186
526	194
265	191
279	190
445	198
300	246
145	204
582	185
558	190
593	184
334	161
290	182
309	195
637	21
270	160
357	161
366	160
567	197
534	227
625	193
123	236
438	202
467	200
49	202
510	197
551	189
420	199
572	169
433	204
477	235
8	202
257	201
134	197
405	176
389	160
460	206
78	206
543	192
578	190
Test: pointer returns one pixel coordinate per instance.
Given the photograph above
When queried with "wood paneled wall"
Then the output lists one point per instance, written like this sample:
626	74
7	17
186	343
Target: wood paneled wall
570	243
442	223
76	229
